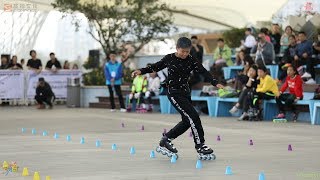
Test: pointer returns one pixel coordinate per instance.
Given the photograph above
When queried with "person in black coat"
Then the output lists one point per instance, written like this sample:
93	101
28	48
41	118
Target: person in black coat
44	94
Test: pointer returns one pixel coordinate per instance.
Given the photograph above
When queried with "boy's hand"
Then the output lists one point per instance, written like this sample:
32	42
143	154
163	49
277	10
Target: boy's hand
220	86
135	73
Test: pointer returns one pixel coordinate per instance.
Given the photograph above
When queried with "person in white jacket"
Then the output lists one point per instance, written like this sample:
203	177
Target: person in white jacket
153	88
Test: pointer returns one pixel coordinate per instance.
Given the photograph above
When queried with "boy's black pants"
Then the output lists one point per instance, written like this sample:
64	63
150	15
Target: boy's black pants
190	118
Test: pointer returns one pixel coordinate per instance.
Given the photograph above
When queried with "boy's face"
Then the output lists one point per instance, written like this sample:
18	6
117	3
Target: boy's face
261	73
183	52
33	54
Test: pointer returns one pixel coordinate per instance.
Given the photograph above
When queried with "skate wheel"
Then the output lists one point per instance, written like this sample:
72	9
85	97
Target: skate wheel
163	152
169	155
158	149
213	157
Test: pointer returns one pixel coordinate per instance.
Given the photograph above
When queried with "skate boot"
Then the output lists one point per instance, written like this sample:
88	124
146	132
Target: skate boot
205	153
166	147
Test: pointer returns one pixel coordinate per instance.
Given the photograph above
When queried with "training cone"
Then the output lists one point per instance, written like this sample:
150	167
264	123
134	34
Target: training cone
122	125
5	165
34	131
36	176
48	178
142	128
228	170
152	154
199	164
261	176
23	130
114	147
44	133
68	138
98	143
289	147
251	142
173	159
25	172
132	150
56	135
190	134
82	140
218	138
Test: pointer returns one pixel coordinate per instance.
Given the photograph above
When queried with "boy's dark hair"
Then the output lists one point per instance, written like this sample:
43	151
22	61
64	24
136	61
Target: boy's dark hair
184	42
302	32
51	53
41	79
264	31
32	52
220	40
263	68
194	37
112	52
248	29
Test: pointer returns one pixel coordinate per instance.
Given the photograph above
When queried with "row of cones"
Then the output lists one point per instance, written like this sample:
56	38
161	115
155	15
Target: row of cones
36	175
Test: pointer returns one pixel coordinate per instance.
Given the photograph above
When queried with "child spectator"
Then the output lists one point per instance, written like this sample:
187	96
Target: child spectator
285	41
138	90
294	83
153	88
222	54
113	75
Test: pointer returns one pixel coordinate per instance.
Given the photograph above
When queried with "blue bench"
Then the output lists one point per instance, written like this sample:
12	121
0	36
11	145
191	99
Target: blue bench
316	113
270	108
231	71
223	105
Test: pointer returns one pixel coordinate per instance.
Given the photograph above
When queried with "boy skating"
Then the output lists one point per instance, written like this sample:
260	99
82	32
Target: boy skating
180	65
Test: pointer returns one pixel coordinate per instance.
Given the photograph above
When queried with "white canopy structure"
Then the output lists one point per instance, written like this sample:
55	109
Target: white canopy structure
45	30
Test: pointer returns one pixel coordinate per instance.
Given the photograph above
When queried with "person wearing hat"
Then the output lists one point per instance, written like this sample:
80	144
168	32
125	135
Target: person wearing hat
44	94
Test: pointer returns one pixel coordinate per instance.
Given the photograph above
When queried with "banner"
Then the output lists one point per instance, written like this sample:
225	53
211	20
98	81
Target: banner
11	84
57	81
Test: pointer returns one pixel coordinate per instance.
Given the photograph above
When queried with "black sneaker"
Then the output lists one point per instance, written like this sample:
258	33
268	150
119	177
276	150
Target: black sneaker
166	142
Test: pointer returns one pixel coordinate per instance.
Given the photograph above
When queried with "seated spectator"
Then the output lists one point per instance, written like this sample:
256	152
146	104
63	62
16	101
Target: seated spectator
267	34
249	41
251	85
34	63
267	88
66	65
240	58
222	54
288	57
264	51
14	65
304	57
44	94
153	89
285	39
316	48
53	64
294	82
138	90
242	77
4	63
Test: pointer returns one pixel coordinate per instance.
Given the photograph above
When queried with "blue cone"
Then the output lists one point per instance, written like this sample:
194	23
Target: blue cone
152	154
199	164
44	133
261	176
114	147
132	150
34	131
56	135
173	159
82	140
23	130
228	170
98	143
68	138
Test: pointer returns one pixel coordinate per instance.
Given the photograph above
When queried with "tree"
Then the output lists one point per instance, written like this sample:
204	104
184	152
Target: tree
233	37
115	22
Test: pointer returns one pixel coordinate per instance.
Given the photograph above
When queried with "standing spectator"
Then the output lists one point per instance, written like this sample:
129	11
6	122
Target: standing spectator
294	82
44	94
153	88
275	38
222	53
34	63
196	49
265	31
23	64
249	41
284	41
66	65
75	67
264	51
14	63
53	64
4	63
113	75
304	57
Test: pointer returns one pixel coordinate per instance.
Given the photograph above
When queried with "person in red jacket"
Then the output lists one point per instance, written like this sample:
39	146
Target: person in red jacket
294	82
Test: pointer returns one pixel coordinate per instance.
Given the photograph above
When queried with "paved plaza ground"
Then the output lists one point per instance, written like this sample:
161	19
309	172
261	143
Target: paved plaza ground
74	161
